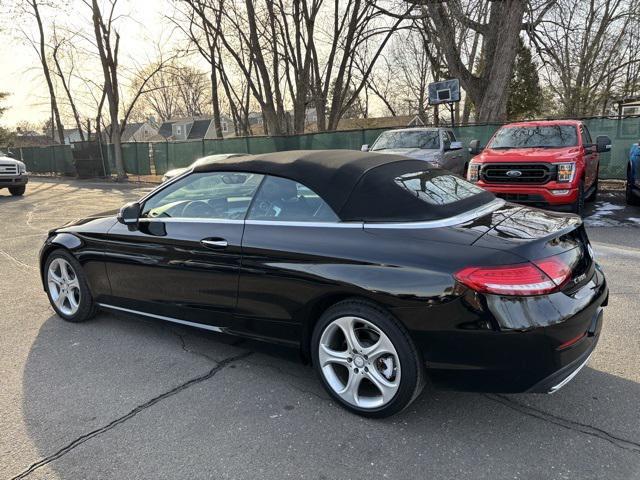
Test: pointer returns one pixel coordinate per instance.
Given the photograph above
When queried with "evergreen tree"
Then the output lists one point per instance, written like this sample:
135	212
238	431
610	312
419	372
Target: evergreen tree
525	94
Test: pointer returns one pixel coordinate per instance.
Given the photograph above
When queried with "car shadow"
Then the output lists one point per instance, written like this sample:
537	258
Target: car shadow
82	381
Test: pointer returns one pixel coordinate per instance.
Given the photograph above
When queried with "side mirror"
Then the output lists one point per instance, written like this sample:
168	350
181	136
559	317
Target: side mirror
603	143
364	148
129	215
10	154
474	147
455	146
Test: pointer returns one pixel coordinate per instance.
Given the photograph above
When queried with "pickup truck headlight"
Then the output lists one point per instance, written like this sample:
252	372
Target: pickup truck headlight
22	168
473	173
566	172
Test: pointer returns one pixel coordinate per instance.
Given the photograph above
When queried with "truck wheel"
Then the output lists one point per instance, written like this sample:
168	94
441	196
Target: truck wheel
578	205
17	191
593	196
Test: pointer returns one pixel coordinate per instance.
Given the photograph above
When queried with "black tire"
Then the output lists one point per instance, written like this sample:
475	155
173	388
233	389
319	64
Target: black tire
631	198
578	205
412	378
17	191
86	306
593	196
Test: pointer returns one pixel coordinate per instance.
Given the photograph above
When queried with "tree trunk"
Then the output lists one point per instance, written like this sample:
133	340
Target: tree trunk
47	74
215	100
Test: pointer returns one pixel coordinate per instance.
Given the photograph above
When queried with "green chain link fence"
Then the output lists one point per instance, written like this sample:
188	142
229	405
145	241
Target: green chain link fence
167	155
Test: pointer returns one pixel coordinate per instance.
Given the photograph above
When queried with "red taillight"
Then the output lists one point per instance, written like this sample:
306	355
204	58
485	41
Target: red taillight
537	278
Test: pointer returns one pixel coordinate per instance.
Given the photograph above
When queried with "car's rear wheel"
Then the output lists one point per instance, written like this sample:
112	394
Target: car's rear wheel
67	287
17	191
366	360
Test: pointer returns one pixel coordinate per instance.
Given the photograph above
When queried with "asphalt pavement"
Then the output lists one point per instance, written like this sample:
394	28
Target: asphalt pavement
126	398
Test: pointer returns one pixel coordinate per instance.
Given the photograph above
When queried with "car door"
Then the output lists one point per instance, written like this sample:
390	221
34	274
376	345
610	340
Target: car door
291	249
591	157
453	159
183	260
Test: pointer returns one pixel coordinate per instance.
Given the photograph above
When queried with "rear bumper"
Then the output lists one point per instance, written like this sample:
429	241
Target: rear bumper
535	195
13	181
541	341
564	375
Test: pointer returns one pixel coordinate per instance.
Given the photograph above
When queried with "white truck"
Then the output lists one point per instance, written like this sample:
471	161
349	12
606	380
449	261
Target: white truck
13	174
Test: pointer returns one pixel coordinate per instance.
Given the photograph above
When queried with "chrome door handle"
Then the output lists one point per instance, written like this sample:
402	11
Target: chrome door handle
214	243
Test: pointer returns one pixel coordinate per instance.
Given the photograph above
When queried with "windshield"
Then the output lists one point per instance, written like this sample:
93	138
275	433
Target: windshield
427	140
552	136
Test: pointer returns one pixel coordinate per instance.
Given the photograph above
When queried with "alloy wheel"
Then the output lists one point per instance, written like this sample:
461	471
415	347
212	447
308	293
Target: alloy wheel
64	286
359	362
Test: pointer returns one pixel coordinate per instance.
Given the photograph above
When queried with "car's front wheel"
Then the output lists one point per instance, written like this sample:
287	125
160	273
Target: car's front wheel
67	287
366	360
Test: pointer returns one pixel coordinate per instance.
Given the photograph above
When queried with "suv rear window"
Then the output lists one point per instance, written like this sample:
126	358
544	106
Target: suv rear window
547	136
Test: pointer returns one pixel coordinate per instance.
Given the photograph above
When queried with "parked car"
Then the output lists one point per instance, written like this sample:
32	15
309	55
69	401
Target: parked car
380	269
210	158
438	146
550	164
13	174
633	176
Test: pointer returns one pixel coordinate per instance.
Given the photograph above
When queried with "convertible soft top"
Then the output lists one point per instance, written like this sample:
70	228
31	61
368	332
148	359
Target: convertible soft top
358	186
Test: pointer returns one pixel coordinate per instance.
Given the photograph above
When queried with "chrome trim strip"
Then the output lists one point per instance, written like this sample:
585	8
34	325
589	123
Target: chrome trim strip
307	224
191	220
557	387
445	222
160	317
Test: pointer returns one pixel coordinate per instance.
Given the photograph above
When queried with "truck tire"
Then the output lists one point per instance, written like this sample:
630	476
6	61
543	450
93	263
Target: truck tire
578	205
593	196
17	191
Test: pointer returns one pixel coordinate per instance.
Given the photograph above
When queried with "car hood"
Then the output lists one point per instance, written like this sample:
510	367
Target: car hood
10	161
515	155
417	153
98	222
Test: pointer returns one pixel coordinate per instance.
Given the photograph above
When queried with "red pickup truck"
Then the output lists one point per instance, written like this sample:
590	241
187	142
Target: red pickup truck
550	164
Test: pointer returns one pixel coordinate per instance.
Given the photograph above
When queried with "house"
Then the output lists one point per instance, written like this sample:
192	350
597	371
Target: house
72	135
136	131
31	138
628	106
194	128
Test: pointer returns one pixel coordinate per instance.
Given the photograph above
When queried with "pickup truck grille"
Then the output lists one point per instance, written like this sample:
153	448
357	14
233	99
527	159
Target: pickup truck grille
533	173
8	169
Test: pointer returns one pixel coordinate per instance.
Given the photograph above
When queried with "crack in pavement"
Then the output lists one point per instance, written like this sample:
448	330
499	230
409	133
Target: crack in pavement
94	433
14	259
590	430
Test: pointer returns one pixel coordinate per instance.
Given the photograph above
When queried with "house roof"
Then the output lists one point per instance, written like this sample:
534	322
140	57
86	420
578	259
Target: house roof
199	129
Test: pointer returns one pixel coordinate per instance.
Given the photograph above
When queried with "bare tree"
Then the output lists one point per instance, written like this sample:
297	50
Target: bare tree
65	78
589	49
32	7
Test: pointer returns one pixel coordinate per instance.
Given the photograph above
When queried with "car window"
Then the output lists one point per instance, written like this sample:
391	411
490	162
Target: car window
280	199
542	136
586	136
452	135
423	139
440	190
211	195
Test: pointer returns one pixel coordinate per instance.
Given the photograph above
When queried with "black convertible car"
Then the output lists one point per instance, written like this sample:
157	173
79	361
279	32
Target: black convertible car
383	271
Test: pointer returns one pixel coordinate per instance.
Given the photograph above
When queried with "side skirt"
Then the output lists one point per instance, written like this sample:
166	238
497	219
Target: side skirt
161	317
